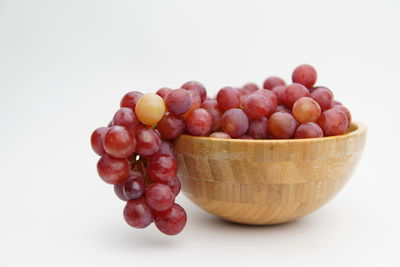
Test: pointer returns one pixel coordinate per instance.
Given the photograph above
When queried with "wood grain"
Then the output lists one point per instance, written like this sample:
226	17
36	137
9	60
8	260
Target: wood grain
267	181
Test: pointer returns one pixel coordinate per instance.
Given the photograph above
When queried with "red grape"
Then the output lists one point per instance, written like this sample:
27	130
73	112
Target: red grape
228	97
234	122
306	109
167	148
250	87
211	105
257	106
305	74
243	94
159	196
172	221
335	103
96	140
323	96
170	126
196	102
134	187
282	108
308	130
333	122
127	118
220	135
281	125
163	92
245	137
279	91
345	110
162	168
293	92
130	99
272	100
258	129
119	142
197	87
273	81
178	101
137	213
199	122
175	185
113	170
148	142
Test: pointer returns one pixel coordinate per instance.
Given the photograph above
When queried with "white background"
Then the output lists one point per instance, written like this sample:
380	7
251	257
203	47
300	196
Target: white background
64	65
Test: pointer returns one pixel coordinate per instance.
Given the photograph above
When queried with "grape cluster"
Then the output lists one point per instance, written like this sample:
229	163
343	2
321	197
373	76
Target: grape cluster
137	155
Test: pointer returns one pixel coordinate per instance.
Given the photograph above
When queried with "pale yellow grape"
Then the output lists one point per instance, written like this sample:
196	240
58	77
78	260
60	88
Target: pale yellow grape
150	108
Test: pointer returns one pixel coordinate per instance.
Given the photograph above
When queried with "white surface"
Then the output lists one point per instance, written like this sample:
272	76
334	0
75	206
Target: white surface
64	65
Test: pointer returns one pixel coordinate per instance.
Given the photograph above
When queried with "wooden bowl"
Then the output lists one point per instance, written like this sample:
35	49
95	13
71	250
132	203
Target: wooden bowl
267	181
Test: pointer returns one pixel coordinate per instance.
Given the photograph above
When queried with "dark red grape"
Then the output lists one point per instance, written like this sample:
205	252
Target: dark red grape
170	126
245	137
163	92
273	81
281	125
172	221
175	185
113	170
293	92
178	101
119	142
134	187
97	139
228	97
305	74
159	196
323	96
127	118
333	122
167	148
234	122
199	122
130	99
137	213
197	87
258	129
308	130
211	105
306	109
162	168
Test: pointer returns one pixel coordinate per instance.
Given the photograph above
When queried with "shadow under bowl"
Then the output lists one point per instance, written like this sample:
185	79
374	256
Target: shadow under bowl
267	181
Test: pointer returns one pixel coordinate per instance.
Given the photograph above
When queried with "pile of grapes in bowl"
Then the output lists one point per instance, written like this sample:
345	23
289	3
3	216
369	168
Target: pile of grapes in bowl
250	155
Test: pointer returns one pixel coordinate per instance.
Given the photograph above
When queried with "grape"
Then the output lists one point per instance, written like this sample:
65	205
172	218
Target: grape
163	92
279	91
245	137
220	135
228	97
170	126
172	221
130	99
196	102
293	92
118	190
96	140
281	125
250	87
333	122
175	185
282	108
113	170
148	142
243	94
150	108
306	109
162	168
212	107
345	110
119	142
305	74
167	148
134	188
178	101
234	122
273	81
323	96
258	129
308	130
272	100
199	122
127	118
137	213
335	103
197	87
257	106
159	196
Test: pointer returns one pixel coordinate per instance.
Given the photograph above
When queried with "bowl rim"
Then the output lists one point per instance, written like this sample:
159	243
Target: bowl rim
358	129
